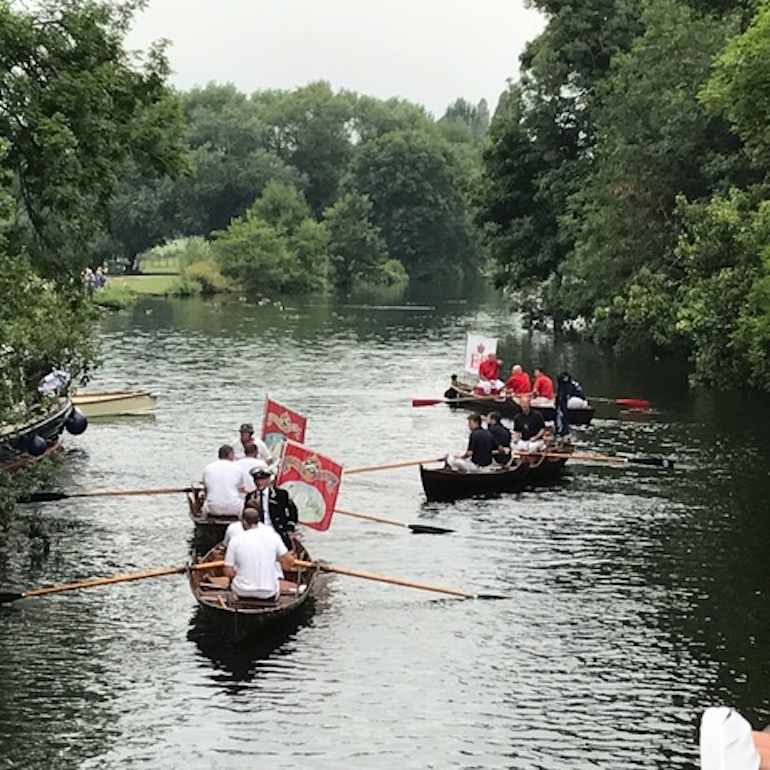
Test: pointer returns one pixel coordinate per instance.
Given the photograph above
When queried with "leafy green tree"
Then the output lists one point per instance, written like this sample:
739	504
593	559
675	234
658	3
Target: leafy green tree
357	251
282	206
309	242
413	185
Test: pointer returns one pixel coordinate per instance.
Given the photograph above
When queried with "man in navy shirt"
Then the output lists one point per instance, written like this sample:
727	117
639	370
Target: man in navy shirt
478	455
502	437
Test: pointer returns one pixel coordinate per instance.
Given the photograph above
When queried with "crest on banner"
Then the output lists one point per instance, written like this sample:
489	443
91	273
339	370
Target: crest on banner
281	423
312	481
477	346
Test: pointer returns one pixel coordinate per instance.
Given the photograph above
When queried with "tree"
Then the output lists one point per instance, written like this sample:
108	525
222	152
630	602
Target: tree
412	183
357	251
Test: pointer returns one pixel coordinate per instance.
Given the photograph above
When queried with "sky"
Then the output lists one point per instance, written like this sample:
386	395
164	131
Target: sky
427	51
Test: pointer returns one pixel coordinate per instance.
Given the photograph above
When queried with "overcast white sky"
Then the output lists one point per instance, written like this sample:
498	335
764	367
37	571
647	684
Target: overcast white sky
427	51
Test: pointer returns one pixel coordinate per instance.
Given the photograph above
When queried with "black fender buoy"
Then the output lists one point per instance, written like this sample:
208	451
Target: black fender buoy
76	423
36	445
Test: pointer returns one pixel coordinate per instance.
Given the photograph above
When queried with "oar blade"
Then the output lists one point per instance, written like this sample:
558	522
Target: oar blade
634	403
494	597
426	529
6	597
658	462
427	401
43	497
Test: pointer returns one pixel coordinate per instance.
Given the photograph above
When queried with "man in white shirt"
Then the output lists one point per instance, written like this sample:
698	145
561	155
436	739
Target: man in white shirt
250	561
247	437
225	485
251	463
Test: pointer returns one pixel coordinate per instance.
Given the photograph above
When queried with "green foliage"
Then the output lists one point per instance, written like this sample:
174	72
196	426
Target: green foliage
412	182
282	206
205	276
739	87
357	250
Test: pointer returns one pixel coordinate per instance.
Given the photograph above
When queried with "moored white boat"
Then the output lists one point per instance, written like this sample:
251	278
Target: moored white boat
114	402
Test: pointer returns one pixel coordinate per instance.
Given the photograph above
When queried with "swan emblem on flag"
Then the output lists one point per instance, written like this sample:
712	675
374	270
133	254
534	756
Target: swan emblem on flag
310	471
285	424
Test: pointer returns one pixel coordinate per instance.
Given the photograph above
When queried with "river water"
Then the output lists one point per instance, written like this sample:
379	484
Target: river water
638	596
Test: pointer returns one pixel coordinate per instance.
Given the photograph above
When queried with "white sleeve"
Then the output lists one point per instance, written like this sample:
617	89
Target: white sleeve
230	555
263	450
248	481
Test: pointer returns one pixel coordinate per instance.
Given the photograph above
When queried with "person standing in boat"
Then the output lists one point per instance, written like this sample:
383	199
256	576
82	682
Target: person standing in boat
251	462
247	437
478	455
253	557
225	485
542	389
278	509
502	437
518	384
489	382
528	428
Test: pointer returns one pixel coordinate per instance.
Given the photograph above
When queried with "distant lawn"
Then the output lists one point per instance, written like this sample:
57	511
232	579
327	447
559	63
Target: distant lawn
147	285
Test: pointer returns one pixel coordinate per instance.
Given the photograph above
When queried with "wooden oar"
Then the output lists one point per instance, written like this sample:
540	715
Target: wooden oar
395	581
434	401
387	466
633	403
46	497
660	462
9	596
417	529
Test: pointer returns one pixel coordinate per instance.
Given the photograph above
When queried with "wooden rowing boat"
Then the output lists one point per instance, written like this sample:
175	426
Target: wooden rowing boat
240	618
111	403
211	526
445	484
16	440
508	407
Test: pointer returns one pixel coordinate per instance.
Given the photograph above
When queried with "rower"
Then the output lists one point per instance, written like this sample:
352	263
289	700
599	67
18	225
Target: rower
528	428
478	455
518	384
247	437
488	380
542	389
225	485
250	462
502	437
252	558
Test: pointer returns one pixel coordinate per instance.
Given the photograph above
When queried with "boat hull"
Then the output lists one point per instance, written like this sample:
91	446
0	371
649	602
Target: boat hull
14	439
509	408
114	403
243	619
444	484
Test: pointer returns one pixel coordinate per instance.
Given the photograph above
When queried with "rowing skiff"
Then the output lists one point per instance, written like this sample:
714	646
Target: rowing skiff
112	403
445	484
240	618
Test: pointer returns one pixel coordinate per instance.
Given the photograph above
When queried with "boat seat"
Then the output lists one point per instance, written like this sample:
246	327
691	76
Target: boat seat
244	603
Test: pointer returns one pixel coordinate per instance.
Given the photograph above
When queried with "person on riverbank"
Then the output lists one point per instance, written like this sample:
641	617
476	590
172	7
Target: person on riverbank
278	509
478	455
489	382
247	437
518	384
253	557
542	389
528	428
224	484
502	437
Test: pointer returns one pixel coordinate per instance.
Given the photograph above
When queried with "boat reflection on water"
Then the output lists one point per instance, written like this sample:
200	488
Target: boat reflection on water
241	661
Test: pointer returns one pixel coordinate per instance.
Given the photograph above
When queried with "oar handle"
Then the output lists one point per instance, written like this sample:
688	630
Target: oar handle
386	579
387	466
125	578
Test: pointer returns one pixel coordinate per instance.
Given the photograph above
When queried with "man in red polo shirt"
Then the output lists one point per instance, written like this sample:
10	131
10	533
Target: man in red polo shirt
488	379
518	383
542	389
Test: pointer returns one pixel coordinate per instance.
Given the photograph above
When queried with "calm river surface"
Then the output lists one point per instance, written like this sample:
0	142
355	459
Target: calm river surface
638	596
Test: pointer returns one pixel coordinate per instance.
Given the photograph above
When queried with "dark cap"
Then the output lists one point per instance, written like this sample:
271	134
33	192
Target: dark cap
261	473
247	427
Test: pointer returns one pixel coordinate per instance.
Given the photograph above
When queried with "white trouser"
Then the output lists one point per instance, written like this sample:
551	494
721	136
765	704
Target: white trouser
462	464
223	509
529	446
574	402
540	401
489	385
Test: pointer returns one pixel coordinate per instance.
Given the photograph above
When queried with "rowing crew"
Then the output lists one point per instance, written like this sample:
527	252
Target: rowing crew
519	384
496	445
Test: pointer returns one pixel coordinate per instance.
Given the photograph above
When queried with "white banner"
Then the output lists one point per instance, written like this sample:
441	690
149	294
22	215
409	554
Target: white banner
477	347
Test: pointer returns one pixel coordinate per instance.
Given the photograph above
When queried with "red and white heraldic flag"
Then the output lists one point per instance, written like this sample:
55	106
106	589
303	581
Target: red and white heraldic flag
312	481
281	423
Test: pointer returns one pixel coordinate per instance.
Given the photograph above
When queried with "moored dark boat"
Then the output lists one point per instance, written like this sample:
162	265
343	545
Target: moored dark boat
509	408
240	618
445	484
35	438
